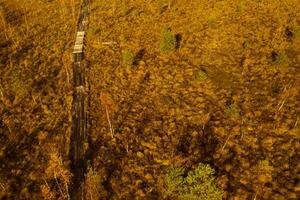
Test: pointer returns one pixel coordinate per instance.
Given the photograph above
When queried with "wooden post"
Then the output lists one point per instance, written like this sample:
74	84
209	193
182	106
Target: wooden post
79	119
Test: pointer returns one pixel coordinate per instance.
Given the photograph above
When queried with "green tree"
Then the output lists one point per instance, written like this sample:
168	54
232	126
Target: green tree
167	41
128	58
199	184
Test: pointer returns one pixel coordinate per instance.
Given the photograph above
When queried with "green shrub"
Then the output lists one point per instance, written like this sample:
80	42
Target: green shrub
281	59
167	41
246	44
124	8
128	58
18	86
167	100
174	180
232	111
240	7
212	20
197	185
161	4
93	31
135	13
201	75
296	32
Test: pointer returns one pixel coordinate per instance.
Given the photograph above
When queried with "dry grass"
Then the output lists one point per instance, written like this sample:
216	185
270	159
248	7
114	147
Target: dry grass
36	40
218	99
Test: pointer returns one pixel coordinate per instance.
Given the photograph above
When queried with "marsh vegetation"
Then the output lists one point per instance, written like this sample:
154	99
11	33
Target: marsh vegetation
185	96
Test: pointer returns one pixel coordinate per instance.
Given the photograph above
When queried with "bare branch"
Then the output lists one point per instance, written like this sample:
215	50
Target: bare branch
60	190
109	122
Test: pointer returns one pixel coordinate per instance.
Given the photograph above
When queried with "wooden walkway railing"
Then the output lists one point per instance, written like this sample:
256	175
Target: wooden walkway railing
79	112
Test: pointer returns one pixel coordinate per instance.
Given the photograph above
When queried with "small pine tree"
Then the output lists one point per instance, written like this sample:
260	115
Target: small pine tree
281	59
124	8
128	58
201	75
232	111
197	185
174	180
161	4
167	41
296	32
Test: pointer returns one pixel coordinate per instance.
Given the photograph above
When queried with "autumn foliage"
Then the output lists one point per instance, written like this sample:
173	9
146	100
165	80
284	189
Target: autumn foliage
228	95
225	97
36	40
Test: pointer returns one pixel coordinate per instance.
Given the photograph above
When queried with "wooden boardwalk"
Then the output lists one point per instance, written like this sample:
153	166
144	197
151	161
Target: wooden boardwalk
79	109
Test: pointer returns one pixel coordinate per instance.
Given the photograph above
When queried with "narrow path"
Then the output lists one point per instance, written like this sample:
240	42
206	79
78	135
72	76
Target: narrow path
79	109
